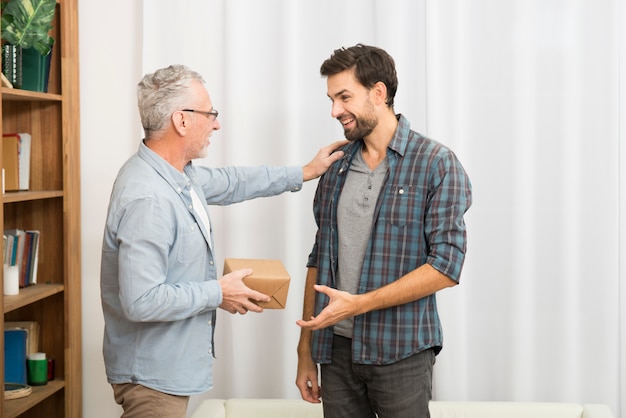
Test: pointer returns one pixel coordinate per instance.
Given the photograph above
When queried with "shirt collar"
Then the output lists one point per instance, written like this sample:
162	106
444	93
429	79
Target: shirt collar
173	177
400	139
398	143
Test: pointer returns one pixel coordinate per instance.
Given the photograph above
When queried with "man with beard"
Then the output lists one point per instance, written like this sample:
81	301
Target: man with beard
390	235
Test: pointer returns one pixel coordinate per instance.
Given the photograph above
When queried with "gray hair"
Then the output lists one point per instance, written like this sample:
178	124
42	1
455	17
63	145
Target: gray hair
162	93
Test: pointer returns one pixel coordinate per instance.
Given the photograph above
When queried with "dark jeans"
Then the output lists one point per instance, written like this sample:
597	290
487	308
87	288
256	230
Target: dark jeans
398	390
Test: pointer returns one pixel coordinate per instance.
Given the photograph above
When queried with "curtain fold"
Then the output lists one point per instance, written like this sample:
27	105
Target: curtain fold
526	92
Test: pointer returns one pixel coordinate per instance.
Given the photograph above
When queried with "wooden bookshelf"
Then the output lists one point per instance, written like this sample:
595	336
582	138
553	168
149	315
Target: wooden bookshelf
52	206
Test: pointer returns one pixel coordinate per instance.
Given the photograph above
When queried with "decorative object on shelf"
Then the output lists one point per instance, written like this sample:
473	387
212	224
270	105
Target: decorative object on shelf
26	42
16	390
37	369
11	280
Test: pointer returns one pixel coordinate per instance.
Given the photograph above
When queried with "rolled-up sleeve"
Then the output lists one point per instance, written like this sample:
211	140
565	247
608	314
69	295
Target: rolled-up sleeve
444	225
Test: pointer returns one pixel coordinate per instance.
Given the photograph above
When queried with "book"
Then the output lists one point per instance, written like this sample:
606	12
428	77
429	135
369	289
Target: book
33	258
22	250
17	240
12	64
23	163
32	333
16	161
15	355
10	153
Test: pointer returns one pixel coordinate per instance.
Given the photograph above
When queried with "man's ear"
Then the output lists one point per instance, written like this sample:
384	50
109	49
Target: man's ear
180	123
379	92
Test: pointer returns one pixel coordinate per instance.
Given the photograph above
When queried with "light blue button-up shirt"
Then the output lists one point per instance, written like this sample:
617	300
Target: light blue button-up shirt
159	284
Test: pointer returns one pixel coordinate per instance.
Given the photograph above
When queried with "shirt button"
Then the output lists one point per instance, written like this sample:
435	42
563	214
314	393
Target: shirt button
211	262
210	322
190	207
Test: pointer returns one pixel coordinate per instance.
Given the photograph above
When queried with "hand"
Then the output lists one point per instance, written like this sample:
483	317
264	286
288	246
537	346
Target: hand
342	305
236	296
306	379
324	158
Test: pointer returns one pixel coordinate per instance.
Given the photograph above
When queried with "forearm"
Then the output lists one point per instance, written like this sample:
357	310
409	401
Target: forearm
419	283
228	185
304	345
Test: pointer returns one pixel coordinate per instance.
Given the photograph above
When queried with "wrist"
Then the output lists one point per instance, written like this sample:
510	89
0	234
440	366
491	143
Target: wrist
307	173
304	347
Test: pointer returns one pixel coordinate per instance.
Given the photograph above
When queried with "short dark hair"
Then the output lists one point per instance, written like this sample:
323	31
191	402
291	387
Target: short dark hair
371	65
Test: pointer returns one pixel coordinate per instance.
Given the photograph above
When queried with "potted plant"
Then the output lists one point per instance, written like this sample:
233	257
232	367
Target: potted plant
25	34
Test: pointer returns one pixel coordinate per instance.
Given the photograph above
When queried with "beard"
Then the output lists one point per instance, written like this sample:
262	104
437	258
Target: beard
364	125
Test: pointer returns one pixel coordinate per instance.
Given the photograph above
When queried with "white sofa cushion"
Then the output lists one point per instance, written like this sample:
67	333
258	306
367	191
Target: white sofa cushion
504	409
291	408
210	408
258	408
272	408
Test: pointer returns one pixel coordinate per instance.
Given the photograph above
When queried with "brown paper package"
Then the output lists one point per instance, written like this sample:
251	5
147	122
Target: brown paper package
268	277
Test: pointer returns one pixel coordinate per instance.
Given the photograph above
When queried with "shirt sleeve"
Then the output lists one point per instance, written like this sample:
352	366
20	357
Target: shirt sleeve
227	185
450	197
151	288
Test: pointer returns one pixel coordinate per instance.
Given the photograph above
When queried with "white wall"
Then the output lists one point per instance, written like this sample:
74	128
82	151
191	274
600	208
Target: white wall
110	67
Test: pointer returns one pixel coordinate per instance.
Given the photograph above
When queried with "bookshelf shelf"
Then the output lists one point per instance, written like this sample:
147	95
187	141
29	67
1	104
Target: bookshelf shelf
29	295
52	207
15	407
9	94
13	197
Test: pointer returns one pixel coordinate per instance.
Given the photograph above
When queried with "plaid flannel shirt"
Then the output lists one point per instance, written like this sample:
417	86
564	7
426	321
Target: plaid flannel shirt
418	219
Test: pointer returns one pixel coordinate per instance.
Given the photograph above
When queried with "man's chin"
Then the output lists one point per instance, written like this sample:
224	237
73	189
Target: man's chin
351	138
204	152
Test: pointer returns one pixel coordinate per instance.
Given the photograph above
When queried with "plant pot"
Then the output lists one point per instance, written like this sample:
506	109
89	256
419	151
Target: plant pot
12	64
35	70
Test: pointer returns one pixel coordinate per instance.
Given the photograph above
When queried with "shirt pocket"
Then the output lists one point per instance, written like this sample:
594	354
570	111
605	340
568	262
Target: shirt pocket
191	245
403	205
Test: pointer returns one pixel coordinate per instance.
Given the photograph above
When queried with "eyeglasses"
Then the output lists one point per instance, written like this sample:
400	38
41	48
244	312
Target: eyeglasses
213	112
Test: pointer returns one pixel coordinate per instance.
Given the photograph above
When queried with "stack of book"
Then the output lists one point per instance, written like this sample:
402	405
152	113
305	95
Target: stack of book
21	249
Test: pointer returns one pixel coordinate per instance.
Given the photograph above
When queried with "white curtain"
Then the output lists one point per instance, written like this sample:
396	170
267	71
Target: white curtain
529	94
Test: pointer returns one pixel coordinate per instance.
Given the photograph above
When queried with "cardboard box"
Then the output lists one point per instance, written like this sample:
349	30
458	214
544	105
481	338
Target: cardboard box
268	276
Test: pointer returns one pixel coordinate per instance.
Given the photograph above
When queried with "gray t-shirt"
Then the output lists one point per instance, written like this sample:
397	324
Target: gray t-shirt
355	214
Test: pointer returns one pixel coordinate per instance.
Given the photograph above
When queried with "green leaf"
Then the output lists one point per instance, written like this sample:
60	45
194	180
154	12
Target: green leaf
26	23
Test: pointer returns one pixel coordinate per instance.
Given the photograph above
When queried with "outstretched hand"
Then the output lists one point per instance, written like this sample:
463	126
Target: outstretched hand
236	296
342	305
324	158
